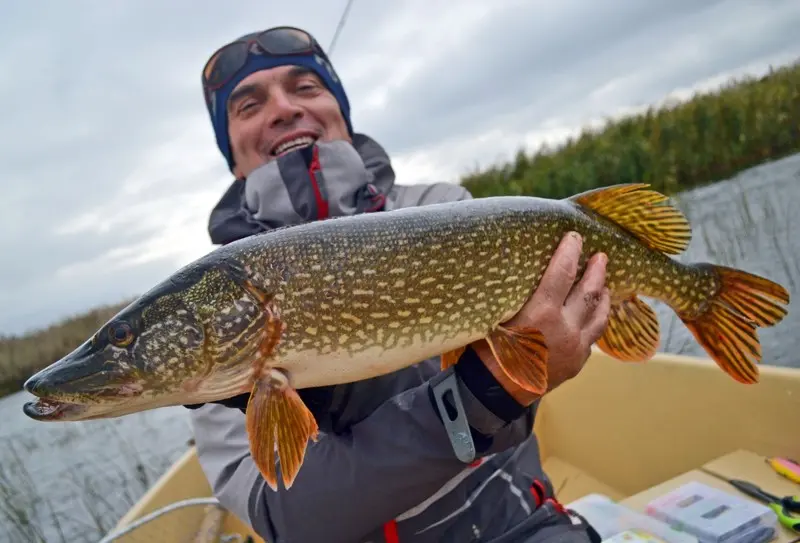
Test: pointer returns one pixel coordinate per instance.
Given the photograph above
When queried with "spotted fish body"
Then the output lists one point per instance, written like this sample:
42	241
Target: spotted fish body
363	297
355	297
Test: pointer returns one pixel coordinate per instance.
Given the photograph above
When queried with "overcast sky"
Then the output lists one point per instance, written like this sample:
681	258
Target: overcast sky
108	162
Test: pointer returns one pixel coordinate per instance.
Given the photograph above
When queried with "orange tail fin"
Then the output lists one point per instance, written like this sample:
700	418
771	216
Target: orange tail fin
727	329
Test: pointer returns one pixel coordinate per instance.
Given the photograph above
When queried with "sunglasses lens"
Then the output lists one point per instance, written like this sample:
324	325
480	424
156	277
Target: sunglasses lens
225	63
278	41
285	41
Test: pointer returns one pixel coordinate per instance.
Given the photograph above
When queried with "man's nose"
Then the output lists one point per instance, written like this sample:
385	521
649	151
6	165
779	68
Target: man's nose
282	109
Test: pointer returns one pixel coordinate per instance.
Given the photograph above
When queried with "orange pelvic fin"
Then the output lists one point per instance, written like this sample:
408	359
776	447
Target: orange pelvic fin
451	357
522	354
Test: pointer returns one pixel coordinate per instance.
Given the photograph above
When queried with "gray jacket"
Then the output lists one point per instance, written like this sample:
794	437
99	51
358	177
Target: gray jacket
384	469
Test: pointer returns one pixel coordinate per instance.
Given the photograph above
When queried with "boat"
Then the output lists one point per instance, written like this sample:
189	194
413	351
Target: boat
626	431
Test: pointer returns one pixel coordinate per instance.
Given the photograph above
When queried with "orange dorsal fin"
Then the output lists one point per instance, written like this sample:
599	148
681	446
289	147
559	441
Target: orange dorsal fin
644	213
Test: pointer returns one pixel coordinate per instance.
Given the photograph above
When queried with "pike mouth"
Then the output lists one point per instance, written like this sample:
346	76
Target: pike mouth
43	409
114	401
60	397
50	410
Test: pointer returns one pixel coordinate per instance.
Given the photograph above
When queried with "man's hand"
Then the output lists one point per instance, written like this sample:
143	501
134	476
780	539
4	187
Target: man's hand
571	316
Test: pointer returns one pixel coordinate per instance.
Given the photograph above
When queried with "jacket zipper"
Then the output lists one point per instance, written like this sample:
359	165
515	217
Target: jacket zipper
322	204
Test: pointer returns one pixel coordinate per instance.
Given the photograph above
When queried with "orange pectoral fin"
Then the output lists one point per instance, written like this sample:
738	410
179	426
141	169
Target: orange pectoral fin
522	354
278	419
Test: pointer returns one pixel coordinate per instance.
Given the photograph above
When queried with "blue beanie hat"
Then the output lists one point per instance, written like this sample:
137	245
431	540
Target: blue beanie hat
318	63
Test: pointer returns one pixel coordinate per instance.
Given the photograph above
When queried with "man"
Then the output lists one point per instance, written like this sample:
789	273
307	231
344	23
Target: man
384	468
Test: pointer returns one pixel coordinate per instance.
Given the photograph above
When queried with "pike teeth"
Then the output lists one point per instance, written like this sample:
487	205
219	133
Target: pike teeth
43	409
47	407
293	144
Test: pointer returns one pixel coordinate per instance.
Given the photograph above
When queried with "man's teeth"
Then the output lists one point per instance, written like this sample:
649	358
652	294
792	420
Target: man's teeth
293	144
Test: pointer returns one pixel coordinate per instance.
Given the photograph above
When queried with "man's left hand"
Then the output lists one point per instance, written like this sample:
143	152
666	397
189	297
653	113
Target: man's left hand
572	316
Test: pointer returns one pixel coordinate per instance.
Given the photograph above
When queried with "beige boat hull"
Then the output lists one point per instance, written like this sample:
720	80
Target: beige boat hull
617	429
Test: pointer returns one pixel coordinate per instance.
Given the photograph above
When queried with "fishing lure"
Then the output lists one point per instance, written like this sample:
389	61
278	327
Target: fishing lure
785	467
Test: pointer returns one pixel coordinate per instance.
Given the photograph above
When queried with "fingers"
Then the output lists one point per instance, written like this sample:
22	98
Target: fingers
561	272
585	296
597	323
572	315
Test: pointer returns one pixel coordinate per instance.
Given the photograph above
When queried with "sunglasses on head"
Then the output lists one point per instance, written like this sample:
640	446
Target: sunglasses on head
279	41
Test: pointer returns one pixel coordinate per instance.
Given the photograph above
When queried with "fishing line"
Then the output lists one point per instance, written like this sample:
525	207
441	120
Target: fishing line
339	27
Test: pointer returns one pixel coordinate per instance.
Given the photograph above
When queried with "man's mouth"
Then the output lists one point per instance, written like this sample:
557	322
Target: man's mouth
292	145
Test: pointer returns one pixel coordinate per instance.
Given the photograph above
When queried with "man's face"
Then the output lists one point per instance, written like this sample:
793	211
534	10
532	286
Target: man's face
273	111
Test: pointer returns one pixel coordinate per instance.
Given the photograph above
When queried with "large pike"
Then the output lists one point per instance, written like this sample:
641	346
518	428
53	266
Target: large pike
355	297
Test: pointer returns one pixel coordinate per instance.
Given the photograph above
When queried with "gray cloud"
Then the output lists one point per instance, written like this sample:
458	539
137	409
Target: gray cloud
109	166
517	62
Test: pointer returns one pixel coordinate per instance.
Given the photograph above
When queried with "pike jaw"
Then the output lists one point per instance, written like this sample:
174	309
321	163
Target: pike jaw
192	339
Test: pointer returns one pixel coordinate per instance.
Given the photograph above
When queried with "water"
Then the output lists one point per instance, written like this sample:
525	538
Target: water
749	222
86	475
78	479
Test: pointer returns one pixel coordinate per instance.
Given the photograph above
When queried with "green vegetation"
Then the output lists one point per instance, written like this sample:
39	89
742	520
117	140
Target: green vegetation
21	357
709	138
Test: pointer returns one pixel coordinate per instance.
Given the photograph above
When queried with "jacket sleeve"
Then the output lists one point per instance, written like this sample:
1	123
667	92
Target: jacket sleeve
352	483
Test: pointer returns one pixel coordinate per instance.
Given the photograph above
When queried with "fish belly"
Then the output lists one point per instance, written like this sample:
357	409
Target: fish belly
312	368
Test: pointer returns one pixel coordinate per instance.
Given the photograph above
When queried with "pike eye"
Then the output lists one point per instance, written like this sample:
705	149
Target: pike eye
120	334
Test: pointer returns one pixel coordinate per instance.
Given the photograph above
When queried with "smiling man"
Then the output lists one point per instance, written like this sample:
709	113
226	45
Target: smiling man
384	468
315	116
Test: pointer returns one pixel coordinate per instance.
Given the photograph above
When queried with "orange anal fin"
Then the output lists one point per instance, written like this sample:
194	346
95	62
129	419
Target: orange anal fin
643	212
278	418
451	357
632	333
522	354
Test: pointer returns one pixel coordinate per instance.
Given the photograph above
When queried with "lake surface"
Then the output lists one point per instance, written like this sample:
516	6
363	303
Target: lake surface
86	475
751	222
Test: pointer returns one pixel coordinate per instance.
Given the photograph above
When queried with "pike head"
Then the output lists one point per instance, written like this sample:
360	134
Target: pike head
197	337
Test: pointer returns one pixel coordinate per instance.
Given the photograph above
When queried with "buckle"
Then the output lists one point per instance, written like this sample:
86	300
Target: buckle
458	429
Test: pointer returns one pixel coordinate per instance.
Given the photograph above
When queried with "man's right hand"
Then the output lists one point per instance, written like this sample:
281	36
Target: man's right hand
571	316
